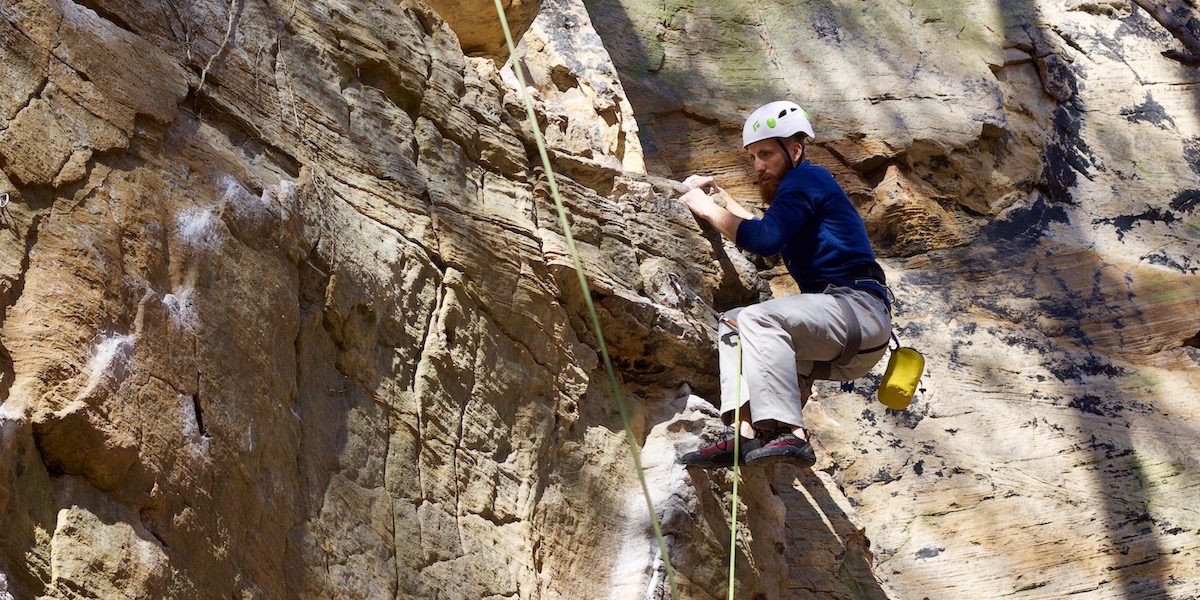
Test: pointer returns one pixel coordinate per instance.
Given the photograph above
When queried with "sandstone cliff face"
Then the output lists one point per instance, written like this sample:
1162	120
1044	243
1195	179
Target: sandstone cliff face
288	312
1030	172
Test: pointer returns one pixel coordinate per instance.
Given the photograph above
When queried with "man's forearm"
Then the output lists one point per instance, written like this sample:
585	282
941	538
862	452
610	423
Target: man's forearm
732	206
726	222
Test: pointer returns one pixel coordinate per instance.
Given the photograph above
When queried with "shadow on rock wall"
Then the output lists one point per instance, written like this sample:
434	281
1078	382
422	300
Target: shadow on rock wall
1093	310
1091	320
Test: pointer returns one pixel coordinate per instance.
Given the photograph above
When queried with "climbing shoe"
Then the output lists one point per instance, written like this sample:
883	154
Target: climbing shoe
720	454
785	445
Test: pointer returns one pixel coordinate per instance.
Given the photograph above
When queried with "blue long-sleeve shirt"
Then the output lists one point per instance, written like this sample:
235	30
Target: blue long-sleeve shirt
813	225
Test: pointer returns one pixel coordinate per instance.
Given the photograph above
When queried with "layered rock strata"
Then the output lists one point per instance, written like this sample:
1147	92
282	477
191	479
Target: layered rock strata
1029	171
289	311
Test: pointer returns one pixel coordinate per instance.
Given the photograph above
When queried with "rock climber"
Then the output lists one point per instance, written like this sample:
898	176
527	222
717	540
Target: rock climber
836	329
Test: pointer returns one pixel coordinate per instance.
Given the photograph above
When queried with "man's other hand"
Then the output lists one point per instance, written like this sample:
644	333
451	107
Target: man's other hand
700	203
702	182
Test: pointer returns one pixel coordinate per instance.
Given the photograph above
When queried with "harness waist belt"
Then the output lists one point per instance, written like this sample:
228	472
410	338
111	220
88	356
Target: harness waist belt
870	273
823	369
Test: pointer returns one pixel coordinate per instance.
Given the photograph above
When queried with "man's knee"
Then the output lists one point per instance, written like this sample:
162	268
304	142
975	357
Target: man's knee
757	316
797	318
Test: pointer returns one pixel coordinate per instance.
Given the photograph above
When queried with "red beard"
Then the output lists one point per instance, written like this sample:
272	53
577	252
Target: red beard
768	184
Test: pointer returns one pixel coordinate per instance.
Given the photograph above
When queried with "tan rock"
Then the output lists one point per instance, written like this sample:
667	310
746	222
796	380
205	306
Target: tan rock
75	441
101	549
569	71
908	219
289	310
35	145
86	94
477	23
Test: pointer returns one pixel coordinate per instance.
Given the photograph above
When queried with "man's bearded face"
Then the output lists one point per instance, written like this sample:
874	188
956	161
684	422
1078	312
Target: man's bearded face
768	184
770	165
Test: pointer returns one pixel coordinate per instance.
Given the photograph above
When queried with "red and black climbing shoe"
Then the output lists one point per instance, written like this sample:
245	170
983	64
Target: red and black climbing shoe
720	454
784	445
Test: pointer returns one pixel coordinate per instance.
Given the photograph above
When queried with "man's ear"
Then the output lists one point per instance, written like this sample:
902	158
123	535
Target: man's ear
797	152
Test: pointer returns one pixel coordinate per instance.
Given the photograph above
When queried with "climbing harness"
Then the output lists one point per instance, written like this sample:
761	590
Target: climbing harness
824	369
684	291
587	298
904	368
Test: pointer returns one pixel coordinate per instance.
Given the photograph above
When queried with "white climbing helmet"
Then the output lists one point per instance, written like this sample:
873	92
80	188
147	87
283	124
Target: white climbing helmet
779	119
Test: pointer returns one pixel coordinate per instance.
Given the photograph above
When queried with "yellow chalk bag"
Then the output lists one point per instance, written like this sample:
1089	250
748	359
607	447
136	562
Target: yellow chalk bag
900	380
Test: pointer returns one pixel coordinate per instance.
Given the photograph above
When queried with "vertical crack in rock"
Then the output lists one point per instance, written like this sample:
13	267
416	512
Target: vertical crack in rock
419	405
765	35
456	454
198	411
36	94
390	430
283	70
10	298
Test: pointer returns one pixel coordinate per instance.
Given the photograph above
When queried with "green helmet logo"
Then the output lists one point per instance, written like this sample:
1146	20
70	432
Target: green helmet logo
771	122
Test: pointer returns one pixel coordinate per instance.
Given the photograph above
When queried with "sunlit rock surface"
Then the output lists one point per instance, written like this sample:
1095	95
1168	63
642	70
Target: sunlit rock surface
1030	173
289	311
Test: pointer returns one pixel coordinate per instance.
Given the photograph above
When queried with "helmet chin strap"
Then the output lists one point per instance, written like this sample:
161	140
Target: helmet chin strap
787	153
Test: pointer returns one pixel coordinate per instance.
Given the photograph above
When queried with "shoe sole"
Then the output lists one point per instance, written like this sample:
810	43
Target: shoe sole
782	455
708	465
717	464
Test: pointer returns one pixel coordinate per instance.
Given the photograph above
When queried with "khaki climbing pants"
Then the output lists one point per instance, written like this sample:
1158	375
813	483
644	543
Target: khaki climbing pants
781	340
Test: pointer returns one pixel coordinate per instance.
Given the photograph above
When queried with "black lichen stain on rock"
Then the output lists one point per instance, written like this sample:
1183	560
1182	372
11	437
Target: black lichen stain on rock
1092	366
868	415
1125	223
1091	404
1182	264
1187	200
1184	202
1025	224
1067	157
1149	112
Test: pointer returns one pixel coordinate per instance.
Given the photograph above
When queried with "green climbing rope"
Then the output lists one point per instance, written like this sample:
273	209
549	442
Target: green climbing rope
587	298
737	455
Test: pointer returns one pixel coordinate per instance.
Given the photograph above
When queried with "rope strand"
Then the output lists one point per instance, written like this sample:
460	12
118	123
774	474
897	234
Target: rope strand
737	455
587	298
